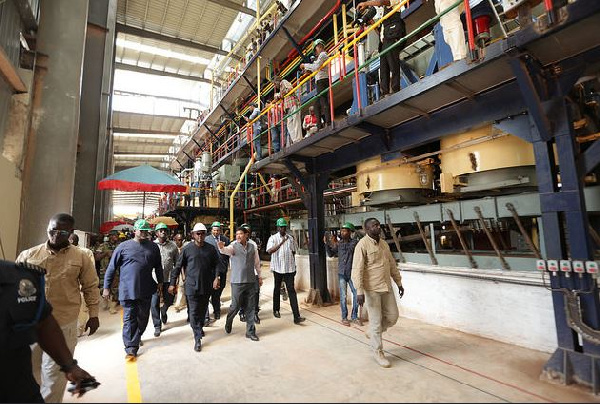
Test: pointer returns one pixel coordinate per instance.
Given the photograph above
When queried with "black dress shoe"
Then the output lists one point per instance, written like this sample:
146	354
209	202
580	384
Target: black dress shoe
198	346
298	320
163	316
157	332
253	337
242	317
256	319
228	328
217	316
276	313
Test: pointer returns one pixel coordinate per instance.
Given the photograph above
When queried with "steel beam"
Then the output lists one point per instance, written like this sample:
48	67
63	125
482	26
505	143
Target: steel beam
145	131
139	69
294	44
591	157
234	6
142	33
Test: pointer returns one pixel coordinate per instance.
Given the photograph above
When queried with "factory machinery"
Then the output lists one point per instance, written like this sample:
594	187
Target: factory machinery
487	166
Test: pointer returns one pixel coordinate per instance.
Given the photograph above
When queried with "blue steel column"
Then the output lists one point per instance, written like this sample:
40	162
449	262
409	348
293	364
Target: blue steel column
312	197
564	215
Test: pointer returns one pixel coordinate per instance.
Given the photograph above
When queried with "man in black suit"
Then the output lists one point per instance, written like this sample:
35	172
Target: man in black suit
200	261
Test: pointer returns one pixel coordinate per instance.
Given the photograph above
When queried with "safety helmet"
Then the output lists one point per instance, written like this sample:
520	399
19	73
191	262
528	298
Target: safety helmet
318	41
281	222
245	225
142	224
199	227
216	224
159	226
348	226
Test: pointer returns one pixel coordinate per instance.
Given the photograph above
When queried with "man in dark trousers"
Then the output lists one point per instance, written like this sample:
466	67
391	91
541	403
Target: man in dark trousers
200	261
169	254
282	248
136	259
214	239
245	267
392	29
321	81
26	318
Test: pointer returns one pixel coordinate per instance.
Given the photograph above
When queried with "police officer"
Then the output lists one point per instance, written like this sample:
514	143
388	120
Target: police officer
26	318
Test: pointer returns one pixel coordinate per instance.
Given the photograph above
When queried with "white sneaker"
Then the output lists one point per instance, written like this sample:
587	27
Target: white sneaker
381	359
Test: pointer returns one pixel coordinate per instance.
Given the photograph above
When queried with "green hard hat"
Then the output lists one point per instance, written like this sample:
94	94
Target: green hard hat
281	222
318	41
216	224
142	224
348	226
160	225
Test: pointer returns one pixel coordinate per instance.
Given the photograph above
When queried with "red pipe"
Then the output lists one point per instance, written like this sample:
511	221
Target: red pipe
294	52
470	28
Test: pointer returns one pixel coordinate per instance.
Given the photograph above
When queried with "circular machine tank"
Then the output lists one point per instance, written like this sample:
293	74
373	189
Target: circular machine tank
483	159
206	165
393	182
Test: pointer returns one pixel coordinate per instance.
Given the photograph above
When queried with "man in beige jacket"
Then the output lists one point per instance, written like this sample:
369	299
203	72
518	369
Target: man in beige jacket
69	272
372	267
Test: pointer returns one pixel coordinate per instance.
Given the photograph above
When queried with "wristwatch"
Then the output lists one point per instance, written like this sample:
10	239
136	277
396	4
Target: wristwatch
69	367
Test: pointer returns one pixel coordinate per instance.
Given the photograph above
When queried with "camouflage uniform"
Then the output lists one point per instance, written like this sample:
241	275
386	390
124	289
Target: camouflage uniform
114	288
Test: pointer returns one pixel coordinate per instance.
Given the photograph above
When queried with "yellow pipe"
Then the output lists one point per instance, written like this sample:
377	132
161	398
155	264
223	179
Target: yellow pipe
335	29
344	23
235	190
265	183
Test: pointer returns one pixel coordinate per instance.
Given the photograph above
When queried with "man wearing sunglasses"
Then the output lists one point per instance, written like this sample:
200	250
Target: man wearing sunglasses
69	271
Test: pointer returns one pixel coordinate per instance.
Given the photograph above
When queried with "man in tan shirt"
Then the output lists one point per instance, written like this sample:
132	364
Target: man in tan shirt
69	272
372	267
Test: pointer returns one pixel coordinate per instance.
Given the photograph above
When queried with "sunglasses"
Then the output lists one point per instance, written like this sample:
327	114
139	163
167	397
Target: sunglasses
55	232
201	232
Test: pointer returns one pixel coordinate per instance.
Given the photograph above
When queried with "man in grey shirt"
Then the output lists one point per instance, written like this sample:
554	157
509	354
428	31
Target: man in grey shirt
245	266
169	254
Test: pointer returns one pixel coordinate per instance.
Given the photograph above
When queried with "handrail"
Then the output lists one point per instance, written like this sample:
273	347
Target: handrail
235	190
241	40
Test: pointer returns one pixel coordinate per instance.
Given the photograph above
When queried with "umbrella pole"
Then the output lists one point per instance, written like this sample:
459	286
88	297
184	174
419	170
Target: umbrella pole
143	204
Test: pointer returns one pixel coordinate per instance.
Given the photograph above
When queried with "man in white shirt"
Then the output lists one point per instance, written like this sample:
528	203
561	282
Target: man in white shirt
322	82
282	248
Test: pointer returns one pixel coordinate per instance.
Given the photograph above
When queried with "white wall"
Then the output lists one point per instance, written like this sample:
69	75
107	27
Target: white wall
488	303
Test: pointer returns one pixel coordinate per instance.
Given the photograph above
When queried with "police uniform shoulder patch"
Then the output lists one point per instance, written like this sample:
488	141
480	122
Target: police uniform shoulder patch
26	288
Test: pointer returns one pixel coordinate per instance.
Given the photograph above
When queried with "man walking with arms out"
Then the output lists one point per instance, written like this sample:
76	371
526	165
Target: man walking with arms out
136	259
69	272
372	266
282	248
245	267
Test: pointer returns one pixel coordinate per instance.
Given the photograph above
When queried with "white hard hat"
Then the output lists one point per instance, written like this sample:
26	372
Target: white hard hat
199	227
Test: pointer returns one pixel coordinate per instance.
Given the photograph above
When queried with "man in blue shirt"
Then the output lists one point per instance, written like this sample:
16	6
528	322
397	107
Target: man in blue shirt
344	249
136	259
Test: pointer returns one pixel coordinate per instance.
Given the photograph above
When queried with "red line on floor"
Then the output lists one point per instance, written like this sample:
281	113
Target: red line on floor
522	390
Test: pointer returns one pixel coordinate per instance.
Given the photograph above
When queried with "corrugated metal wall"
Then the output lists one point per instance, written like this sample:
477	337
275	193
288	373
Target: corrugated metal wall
10	28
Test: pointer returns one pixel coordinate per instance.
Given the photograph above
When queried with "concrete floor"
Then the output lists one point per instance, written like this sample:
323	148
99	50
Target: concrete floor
318	361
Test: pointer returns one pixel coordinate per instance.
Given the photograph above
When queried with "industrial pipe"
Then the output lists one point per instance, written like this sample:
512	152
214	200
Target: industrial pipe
235	190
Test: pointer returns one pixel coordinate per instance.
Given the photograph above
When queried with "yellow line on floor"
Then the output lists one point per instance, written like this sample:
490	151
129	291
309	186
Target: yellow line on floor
134	392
